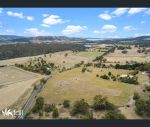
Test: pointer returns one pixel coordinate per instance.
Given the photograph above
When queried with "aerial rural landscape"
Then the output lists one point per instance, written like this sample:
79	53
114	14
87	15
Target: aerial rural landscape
73	75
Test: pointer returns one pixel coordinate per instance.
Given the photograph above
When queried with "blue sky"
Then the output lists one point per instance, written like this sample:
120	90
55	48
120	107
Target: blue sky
75	22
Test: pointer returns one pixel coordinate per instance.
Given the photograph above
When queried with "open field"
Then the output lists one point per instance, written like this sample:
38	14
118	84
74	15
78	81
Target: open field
131	55
14	83
90	54
74	85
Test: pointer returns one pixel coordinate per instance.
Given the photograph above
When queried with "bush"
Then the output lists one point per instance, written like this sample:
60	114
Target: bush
140	107
97	75
147	88
80	107
109	73
136	96
88	116
129	80
101	103
40	113
143	107
104	77
55	113
114	115
66	103
38	105
83	69
49	107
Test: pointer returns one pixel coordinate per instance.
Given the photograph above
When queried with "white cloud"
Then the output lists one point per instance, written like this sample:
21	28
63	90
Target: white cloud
36	32
119	11
45	25
108	28
142	22
30	18
1	10
71	29
96	31
105	16
129	28
53	20
136	10
15	14
45	15
20	15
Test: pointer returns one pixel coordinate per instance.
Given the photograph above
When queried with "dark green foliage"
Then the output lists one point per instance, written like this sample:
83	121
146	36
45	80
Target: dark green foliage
101	103
66	103
38	105
97	75
147	88
136	96
31	49
49	107
55	113
114	115
109	73
143	107
80	107
83	69
130	80
104	77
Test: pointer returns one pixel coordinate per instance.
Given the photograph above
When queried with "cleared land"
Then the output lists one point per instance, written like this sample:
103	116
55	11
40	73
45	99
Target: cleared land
131	55
74	85
14	83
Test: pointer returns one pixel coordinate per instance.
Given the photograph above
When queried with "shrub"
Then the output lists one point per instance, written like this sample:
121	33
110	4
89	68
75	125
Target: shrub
49	107
55	113
147	88
140	107
104	77
66	103
80	107
109	73
101	103
88	116
40	113
113	115
38	105
143	107
97	75
83	69
136	96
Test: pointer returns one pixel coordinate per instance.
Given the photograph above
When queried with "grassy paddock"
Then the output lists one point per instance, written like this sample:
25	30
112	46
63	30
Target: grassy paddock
74	85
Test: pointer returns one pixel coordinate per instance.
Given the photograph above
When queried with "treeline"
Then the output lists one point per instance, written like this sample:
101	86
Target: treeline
31	49
134	66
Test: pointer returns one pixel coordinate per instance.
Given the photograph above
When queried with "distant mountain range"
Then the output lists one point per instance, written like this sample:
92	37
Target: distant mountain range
20	39
5	39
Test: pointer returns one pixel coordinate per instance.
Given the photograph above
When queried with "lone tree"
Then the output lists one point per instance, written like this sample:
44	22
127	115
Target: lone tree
80	107
55	113
66	103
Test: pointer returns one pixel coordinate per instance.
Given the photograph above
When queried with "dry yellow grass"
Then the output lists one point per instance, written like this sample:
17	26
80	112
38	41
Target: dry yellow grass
74	85
15	82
